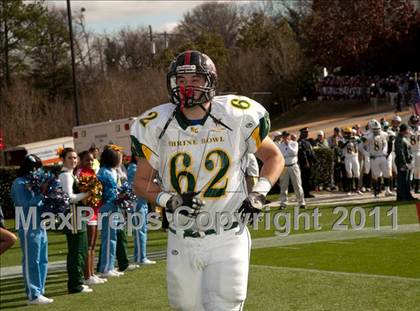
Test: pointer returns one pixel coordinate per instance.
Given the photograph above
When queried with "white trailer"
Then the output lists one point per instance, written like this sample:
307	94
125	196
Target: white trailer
98	135
46	150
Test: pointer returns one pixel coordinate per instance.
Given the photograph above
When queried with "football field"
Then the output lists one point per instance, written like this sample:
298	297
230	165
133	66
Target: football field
325	269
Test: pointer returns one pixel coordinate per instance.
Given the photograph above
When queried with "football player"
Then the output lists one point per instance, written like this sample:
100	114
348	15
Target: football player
351	160
364	160
414	128
395	123
197	146
378	151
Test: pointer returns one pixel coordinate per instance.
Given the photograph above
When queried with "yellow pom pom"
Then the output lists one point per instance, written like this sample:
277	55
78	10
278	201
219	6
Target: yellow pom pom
60	151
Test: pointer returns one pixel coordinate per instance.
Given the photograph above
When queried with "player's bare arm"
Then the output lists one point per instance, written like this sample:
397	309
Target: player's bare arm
272	158
143	182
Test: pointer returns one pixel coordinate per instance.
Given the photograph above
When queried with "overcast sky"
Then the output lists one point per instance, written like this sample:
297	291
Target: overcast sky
111	16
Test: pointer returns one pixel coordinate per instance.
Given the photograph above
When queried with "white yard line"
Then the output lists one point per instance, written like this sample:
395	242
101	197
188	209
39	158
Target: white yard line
392	237
341	242
327	236
349	274
337	199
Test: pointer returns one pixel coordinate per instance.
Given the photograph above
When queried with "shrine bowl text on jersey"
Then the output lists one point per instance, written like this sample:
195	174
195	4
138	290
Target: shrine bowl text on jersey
207	157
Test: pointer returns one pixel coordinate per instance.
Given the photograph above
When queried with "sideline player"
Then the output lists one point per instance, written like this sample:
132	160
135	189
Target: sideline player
414	129
197	145
378	150
351	161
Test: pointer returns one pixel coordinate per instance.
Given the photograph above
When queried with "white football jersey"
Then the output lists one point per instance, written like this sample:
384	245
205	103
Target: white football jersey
378	144
207	158
351	149
391	133
363	148
415	139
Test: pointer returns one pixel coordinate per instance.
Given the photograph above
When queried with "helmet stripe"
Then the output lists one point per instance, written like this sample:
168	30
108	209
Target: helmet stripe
187	58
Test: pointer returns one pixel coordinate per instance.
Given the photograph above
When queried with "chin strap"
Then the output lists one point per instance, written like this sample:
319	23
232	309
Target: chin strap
217	121
168	122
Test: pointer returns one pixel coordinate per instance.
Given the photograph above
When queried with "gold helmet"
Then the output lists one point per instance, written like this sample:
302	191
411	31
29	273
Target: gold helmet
347	130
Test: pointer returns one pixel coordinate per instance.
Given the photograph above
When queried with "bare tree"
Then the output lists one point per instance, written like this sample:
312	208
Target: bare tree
217	18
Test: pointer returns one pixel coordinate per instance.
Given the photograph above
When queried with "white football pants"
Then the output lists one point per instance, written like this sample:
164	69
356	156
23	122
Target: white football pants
380	167
208	273
352	166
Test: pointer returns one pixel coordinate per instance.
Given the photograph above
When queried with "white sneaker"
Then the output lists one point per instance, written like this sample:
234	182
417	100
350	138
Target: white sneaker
148	262
348	193
131	268
101	279
359	192
110	273
389	193
363	189
93	281
117	272
86	289
40	300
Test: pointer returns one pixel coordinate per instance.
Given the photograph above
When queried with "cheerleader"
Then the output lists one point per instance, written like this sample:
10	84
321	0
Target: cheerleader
107	175
140	235
33	238
85	169
76	235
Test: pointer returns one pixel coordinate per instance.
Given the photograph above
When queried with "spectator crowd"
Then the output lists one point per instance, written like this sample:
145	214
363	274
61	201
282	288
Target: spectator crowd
396	90
379	157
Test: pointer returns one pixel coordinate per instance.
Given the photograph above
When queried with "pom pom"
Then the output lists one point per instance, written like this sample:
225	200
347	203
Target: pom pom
126	197
93	185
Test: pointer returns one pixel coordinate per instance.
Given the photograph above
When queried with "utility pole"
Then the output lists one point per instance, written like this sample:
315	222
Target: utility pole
165	36
152	43
6	68
73	66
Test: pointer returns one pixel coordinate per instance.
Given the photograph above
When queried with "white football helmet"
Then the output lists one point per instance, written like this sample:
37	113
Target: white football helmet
396	118
375	126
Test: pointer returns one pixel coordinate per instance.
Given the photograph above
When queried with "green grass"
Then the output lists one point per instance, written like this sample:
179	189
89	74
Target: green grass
388	255
406	215
271	285
375	273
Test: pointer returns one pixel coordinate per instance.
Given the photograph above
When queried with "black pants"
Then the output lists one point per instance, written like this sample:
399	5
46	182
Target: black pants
403	185
305	174
77	248
339	174
122	253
